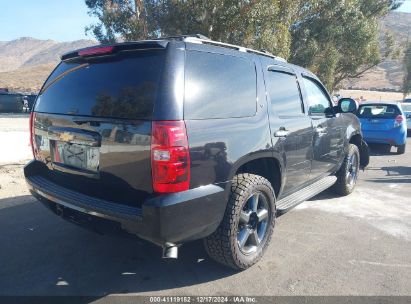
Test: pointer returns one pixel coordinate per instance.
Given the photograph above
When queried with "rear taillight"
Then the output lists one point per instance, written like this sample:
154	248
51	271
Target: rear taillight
398	120
170	157
95	51
32	139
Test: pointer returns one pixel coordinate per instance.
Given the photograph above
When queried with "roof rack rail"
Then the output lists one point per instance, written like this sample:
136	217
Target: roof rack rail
199	36
200	40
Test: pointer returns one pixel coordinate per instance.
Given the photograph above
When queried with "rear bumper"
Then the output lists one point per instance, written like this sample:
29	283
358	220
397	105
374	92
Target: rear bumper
393	138
172	218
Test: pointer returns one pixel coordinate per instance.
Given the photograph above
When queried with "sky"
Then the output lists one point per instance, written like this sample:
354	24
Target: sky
59	20
405	7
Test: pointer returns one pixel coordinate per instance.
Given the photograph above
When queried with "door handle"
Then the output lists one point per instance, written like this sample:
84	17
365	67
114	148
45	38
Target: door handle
282	132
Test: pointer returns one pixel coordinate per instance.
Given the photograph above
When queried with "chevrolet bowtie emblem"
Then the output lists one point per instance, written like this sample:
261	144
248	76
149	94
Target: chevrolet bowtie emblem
66	136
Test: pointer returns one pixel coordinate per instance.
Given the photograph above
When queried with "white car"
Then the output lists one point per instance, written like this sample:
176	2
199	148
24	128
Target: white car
406	107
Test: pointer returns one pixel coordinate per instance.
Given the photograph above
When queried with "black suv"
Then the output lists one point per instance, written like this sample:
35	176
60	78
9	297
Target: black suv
186	138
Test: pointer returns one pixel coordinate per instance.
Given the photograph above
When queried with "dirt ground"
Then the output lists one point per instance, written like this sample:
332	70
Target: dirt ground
15	151
372	95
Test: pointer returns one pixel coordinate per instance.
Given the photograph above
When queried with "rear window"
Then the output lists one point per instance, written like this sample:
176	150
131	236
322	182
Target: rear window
219	86
124	86
378	111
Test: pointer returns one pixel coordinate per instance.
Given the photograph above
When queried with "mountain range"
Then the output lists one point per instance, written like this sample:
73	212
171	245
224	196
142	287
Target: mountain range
26	62
389	74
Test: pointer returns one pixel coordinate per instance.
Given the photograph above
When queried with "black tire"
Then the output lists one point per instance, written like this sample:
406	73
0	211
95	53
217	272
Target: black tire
401	149
223	245
348	173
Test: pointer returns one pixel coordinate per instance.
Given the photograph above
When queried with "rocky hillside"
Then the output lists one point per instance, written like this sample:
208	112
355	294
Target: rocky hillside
26	62
389	74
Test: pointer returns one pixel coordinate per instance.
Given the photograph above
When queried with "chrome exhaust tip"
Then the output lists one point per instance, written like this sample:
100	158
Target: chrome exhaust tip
170	251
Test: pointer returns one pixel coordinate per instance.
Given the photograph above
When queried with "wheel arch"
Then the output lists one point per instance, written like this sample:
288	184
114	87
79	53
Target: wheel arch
357	139
264	165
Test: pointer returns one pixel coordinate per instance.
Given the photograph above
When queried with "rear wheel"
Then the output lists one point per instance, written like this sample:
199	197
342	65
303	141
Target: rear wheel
401	149
348	173
245	232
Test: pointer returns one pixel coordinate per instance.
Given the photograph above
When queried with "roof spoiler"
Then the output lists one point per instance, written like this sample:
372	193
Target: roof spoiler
109	49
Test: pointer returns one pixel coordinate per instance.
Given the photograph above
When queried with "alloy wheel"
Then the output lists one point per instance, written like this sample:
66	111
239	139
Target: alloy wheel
352	170
252	226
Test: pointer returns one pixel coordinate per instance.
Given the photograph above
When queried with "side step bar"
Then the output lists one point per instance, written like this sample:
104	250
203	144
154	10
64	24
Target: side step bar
304	194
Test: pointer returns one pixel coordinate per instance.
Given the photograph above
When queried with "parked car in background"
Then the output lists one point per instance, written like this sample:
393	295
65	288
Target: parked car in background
383	123
12	103
406	108
407	100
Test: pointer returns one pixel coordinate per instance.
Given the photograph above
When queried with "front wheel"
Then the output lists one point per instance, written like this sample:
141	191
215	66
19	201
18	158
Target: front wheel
347	175
245	232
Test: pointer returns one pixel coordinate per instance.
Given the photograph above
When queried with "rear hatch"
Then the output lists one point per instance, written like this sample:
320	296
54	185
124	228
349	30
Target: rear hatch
378	117
92	122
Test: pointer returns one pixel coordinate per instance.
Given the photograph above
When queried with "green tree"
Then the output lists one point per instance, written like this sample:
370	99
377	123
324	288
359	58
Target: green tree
125	19
260	24
406	86
340	39
335	39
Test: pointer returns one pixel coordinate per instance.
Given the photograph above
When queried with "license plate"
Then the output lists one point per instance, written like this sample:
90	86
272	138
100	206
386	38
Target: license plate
76	155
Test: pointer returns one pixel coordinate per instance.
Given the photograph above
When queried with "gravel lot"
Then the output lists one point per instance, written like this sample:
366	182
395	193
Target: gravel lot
356	245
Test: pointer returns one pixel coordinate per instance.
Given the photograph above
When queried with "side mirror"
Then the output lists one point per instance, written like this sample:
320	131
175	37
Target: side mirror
347	105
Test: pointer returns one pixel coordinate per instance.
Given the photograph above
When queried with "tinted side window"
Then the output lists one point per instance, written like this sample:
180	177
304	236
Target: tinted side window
316	98
219	86
284	93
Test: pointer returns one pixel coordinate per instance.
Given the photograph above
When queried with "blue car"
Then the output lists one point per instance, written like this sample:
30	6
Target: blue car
383	123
